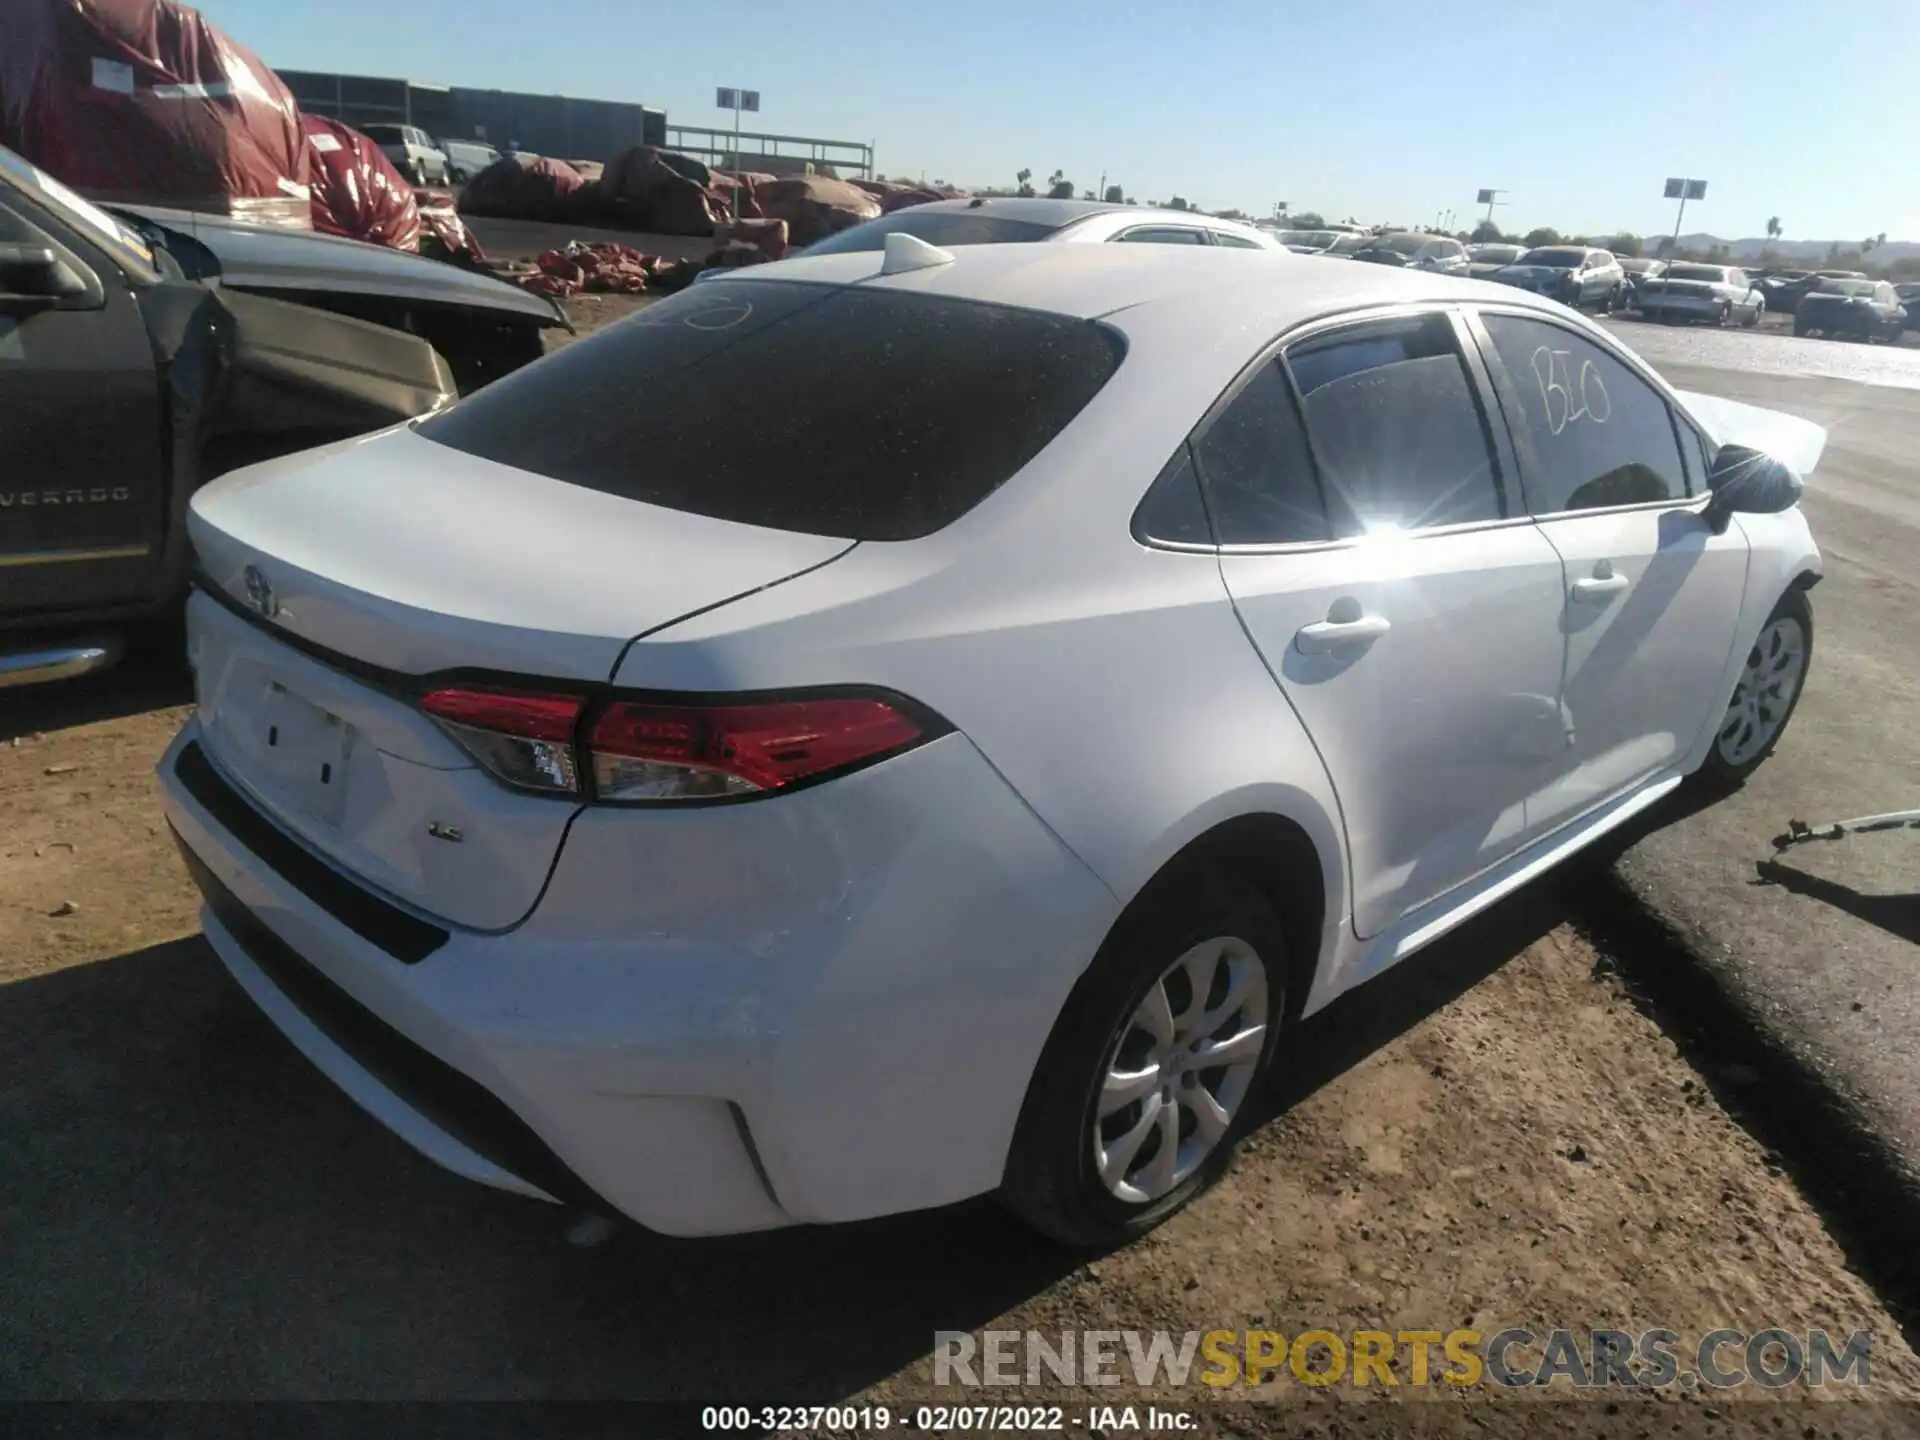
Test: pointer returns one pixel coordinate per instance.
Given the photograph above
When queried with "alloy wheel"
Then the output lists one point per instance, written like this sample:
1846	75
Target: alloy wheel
1765	692
1180	1069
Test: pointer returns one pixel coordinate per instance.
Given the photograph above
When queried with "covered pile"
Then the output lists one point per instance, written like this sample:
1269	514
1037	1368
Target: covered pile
815	207
357	192
145	101
443	234
525	187
894	195
665	193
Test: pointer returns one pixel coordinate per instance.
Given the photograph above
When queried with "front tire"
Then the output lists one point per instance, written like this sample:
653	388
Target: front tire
1125	1121
1765	695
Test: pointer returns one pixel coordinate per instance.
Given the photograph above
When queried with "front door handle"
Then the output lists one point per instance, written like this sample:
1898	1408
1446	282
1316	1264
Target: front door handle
1598	588
1323	635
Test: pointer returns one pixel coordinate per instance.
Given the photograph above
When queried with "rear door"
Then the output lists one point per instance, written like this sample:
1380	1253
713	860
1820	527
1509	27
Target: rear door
82	462
1376	550
1653	595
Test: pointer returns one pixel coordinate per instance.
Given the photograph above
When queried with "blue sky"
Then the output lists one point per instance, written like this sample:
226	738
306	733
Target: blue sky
1391	110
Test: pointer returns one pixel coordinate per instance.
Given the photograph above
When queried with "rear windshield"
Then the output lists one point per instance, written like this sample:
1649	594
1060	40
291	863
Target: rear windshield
1556	259
842	411
936	227
1697	272
383	133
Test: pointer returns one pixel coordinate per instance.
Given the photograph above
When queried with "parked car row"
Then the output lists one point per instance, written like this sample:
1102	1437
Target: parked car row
1846	304
426	161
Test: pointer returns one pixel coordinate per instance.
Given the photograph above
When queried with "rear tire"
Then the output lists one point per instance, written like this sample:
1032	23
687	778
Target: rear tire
1091	1164
1765	695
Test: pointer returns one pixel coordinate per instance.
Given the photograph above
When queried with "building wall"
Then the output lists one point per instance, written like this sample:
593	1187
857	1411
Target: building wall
556	125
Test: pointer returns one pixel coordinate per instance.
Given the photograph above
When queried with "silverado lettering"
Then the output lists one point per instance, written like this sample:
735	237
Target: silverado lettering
98	495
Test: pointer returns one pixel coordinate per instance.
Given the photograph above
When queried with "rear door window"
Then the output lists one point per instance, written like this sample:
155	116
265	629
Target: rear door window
865	414
1397	427
1235	242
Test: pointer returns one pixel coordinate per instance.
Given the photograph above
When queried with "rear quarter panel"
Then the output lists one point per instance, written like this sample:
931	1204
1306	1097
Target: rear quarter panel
1110	684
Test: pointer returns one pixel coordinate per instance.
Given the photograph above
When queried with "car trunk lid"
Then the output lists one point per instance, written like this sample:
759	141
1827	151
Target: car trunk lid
339	581
414	557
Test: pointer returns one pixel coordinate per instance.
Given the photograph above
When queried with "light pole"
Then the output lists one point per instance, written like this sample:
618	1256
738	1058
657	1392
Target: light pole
1683	190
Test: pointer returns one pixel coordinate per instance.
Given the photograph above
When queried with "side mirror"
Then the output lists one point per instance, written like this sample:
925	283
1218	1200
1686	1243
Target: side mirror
34	275
1744	481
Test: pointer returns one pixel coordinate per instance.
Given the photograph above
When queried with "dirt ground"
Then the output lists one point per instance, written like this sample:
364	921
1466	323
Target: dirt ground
1494	1135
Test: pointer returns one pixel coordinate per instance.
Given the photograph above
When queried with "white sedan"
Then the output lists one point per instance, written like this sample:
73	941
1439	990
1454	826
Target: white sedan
880	729
1017	220
1719	293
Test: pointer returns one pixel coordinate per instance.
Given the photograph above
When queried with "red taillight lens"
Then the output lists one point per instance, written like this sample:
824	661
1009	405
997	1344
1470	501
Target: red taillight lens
526	740
697	752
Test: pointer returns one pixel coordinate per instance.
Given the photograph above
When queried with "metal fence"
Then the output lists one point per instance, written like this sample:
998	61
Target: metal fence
775	154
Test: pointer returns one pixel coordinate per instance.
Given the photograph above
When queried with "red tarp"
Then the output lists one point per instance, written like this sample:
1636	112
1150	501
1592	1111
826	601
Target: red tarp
522	187
599	269
815	206
749	242
660	191
443	234
357	192
145	101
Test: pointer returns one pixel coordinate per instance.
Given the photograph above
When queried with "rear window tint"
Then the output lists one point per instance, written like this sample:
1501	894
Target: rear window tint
864	414
936	227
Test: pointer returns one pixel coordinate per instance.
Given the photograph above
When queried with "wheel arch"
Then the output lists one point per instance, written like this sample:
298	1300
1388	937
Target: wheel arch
1291	855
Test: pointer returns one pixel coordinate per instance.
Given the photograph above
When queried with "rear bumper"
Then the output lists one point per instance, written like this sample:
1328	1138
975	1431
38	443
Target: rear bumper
839	1027
45	663
1704	306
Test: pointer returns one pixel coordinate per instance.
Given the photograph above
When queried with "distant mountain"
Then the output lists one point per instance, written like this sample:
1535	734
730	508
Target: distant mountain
1812	251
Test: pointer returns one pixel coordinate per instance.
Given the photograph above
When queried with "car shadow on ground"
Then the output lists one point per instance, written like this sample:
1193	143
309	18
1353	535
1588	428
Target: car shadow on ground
194	1211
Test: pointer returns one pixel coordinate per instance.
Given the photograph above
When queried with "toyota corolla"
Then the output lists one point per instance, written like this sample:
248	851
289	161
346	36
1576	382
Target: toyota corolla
890	727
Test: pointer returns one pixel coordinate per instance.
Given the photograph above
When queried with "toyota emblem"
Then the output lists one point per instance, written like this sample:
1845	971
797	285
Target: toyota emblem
260	597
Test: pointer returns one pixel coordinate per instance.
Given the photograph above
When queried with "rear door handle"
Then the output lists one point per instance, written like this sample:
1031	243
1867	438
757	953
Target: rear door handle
1323	635
1599	587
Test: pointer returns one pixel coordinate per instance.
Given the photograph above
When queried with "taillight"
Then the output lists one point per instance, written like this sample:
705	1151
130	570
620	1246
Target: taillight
525	740
641	751
708	752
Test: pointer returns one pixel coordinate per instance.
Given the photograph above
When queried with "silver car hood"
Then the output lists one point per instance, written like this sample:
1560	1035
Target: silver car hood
266	258
1795	442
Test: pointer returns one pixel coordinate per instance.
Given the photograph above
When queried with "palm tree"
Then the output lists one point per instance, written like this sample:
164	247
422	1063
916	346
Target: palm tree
1774	232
